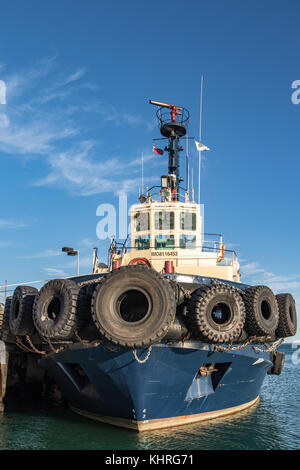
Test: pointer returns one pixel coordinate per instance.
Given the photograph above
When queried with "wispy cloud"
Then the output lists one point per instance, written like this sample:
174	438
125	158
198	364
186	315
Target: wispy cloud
68	268
2	92
4	121
78	170
254	274
28	127
118	117
32	138
19	83
10	224
75	76
42	254
88	242
33	125
52	272
251	268
4	244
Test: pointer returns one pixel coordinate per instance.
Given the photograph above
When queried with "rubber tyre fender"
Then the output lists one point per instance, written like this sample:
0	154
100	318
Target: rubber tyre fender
20	315
55	309
262	314
6	334
188	287
178	329
200	313
137	287
278	359
87	328
287	325
84	302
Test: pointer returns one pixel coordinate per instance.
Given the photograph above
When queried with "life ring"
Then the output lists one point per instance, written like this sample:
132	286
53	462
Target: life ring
142	261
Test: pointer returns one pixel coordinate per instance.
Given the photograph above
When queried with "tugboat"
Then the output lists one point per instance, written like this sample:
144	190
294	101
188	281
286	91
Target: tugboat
166	333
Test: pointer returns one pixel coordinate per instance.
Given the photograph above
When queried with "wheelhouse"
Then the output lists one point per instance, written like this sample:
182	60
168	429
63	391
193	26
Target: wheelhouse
160	226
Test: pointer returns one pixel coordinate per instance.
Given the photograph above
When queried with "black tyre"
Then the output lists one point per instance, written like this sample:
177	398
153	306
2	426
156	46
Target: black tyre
6	334
134	307
262	313
84	303
87	327
278	359
20	316
178	330
287	325
243	337
55	309
216	314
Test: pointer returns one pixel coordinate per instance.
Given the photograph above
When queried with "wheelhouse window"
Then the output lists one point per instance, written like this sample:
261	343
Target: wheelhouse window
164	242
142	243
164	220
187	241
141	221
188	221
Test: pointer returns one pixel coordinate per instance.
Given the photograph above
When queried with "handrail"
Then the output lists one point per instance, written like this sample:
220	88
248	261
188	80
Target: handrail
36	282
129	248
181	232
4	290
159	194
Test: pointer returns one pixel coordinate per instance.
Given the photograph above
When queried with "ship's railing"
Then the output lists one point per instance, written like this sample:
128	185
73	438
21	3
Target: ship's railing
226	257
215	243
7	290
164	116
156	195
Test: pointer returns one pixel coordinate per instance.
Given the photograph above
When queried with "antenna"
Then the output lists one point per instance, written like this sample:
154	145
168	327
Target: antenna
187	169
200	138
193	192
200	122
142	173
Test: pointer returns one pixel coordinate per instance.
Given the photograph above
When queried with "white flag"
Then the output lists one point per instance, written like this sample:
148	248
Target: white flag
200	147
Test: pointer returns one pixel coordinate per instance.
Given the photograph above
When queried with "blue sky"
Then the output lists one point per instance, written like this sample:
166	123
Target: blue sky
78	78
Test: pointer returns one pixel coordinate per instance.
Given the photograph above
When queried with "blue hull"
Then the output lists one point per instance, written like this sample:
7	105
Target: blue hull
166	390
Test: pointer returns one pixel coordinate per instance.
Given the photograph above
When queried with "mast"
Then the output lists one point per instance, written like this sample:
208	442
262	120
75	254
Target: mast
200	139
173	125
142	173
187	170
